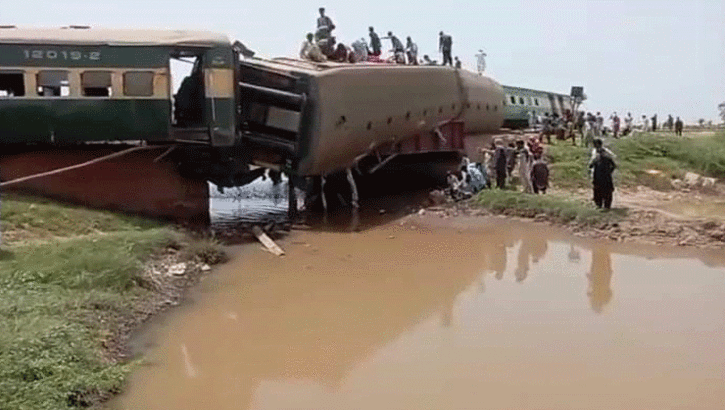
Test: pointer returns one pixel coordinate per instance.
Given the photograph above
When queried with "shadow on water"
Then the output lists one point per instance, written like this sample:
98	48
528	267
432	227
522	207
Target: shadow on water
384	197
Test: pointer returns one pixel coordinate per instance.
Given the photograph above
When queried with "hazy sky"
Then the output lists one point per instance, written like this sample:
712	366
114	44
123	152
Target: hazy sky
643	56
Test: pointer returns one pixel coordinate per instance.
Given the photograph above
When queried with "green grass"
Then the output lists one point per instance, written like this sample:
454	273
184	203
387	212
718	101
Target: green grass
555	207
62	297
671	156
44	218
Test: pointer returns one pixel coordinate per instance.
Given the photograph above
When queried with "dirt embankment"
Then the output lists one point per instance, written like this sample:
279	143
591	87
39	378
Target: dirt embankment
647	223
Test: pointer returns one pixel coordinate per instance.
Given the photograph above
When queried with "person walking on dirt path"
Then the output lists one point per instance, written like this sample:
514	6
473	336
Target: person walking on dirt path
678	127
654	123
603	166
375	42
445	46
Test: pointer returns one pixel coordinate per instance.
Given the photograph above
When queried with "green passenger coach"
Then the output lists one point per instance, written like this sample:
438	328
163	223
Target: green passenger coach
77	84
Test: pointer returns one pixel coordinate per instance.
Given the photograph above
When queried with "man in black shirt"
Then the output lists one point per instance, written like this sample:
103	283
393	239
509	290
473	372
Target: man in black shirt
602	183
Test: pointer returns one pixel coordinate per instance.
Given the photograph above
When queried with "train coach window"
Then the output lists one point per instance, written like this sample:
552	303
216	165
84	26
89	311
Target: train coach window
11	84
53	83
536	102
96	83
521	100
138	83
513	100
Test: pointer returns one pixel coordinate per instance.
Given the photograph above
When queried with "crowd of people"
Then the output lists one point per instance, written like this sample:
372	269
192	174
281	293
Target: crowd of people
590	126
323	46
522	159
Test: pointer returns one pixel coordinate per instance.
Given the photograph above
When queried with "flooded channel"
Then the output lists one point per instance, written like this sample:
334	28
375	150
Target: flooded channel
431	313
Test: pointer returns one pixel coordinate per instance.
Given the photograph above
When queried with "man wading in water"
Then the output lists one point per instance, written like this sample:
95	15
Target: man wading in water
603	165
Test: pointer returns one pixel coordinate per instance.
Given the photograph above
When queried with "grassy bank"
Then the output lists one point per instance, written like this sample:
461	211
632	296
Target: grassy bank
69	277
671	156
553	207
668	156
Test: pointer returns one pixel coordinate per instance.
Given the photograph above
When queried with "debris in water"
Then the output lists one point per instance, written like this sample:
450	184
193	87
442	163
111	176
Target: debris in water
267	241
205	268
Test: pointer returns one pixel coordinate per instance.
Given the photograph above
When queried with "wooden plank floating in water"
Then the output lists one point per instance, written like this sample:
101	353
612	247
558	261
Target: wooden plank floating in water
267	241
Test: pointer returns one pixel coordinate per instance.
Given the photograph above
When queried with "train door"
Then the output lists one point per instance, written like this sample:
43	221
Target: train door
187	89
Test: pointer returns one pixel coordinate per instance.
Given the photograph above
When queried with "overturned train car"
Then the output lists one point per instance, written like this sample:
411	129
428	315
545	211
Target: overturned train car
229	117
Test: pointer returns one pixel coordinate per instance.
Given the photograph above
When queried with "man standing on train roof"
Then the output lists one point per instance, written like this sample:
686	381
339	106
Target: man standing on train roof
324	23
397	44
411	49
445	46
375	42
458	63
398	48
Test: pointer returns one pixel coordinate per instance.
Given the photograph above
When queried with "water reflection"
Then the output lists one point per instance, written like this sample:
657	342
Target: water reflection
400	316
600	278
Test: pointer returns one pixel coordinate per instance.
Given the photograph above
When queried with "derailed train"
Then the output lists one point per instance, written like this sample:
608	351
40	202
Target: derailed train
231	116
521	103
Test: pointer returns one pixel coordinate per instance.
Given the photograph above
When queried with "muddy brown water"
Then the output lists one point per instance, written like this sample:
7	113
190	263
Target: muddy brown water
423	312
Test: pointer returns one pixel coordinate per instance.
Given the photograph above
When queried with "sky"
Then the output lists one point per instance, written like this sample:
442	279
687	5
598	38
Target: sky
638	56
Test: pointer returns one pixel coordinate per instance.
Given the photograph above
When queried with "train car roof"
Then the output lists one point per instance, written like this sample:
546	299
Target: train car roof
82	35
531	90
